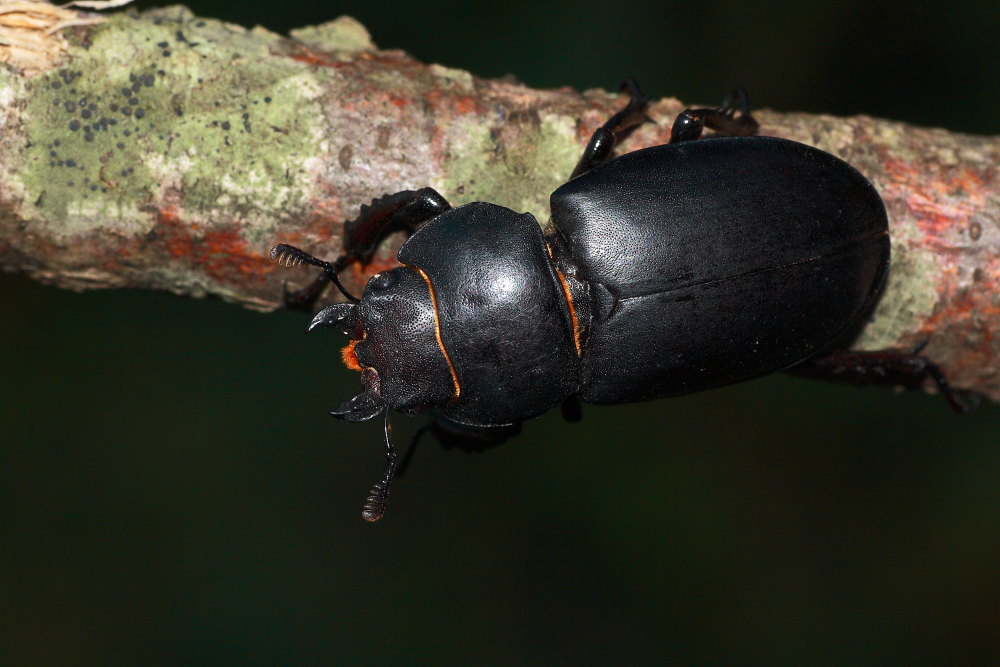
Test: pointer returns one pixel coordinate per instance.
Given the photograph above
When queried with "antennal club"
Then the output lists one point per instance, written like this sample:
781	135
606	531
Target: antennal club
289	255
378	497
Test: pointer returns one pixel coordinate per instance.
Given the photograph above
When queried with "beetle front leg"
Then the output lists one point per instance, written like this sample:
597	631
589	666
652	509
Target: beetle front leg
690	123
402	211
604	138
900	368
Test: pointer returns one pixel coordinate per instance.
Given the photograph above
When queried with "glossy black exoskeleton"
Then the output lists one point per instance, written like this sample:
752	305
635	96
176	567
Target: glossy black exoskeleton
667	270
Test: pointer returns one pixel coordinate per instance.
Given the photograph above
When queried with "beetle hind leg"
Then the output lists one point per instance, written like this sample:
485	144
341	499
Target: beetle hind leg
603	140
690	123
900	368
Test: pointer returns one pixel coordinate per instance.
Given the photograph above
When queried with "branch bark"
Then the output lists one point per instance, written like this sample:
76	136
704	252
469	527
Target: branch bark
166	151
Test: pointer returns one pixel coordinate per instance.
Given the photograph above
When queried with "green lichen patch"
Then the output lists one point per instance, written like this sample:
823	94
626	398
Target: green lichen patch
167	102
909	296
342	34
519	173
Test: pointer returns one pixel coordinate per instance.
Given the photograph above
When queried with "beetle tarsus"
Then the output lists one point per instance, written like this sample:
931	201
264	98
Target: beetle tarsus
690	123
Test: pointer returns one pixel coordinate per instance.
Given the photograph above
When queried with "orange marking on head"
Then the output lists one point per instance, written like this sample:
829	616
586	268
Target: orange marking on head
350	357
437	333
572	312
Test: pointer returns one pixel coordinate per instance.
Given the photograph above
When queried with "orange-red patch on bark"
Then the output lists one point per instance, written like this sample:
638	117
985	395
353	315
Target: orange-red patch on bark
221	253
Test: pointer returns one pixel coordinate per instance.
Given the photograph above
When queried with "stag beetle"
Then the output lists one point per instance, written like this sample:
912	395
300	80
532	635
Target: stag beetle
667	270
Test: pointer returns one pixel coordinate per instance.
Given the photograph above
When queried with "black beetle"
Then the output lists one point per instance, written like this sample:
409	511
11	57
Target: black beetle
668	270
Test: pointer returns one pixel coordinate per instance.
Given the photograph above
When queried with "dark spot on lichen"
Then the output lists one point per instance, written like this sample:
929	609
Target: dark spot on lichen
70	163
127	111
74	125
978	274
163	45
344	157
133	100
975	231
267	100
226	125
88	137
70	106
86	113
166	53
139	113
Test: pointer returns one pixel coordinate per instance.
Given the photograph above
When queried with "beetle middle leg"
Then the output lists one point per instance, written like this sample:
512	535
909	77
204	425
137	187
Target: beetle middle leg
402	211
690	123
902	368
470	439
604	138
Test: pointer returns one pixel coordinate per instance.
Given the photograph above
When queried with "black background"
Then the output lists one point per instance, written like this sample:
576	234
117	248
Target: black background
171	491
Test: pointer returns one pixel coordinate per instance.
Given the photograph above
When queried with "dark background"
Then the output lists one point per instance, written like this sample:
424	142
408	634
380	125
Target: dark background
172	492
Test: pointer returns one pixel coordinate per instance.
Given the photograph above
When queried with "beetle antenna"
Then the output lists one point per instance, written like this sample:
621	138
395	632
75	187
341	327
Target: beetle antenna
289	255
378	497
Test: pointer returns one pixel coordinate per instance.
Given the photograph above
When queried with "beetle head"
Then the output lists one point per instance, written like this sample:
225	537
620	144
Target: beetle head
395	344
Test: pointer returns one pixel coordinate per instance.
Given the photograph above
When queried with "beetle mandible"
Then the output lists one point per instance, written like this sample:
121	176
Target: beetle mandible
667	270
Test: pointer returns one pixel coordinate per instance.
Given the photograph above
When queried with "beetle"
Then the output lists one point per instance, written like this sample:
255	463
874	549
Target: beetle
667	270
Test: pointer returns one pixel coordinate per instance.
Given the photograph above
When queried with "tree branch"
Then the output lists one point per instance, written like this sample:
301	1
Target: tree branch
161	150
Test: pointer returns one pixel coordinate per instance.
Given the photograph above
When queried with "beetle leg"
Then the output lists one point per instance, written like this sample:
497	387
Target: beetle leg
402	211
904	368
571	409
690	123
604	138
450	434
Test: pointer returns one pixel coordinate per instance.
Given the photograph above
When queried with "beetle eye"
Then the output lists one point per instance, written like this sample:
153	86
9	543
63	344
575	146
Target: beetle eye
385	280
